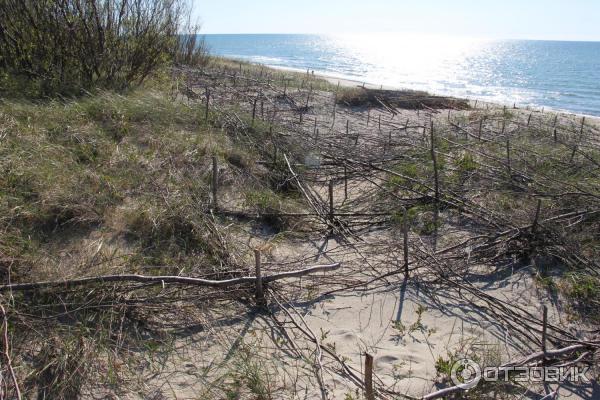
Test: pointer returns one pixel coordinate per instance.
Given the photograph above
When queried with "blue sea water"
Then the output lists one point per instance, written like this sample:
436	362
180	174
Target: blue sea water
552	74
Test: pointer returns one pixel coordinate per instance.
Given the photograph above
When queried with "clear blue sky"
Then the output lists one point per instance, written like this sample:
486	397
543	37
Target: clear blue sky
526	19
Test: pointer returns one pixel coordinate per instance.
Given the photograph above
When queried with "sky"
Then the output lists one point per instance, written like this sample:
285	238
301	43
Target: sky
499	19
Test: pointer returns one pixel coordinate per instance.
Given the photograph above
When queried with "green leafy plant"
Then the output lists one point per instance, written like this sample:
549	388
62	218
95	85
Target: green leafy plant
107	43
466	163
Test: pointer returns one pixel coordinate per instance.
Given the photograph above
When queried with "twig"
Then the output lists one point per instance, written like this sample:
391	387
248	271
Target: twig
6	352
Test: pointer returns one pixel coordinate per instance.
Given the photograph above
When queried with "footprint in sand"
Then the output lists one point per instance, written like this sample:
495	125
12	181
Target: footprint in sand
386	361
344	335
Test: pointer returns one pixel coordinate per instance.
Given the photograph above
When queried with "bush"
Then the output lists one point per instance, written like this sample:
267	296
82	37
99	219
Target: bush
191	49
61	46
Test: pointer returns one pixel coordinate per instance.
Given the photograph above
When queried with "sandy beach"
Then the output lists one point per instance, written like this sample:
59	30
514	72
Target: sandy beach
231	211
412	330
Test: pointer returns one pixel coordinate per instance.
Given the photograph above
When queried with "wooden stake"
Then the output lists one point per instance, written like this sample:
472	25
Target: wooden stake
273	144
347	127
480	127
555	137
207	103
215	182
578	140
345	182
529	119
308	96
508	157
260	295
379	122
536	217
334	107
544	331
254	110
331	200
369	393
573	154
405	236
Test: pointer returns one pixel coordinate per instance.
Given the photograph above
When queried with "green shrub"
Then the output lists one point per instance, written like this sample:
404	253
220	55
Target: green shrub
421	219
263	201
410	171
584	288
466	163
62	46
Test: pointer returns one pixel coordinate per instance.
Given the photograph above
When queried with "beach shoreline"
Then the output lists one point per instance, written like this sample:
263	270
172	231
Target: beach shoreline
557	76
349	82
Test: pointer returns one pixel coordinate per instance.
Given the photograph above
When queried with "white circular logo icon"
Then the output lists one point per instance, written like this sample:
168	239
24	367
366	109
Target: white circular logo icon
465	373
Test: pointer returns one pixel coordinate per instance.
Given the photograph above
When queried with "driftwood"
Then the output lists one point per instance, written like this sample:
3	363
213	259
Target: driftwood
160	280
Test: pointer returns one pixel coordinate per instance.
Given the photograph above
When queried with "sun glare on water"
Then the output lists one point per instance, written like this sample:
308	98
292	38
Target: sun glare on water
408	60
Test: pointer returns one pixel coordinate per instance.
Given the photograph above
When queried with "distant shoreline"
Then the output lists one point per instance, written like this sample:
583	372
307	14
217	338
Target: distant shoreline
556	75
350	82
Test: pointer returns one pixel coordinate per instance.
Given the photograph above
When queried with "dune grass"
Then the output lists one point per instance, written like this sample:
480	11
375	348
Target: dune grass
106	184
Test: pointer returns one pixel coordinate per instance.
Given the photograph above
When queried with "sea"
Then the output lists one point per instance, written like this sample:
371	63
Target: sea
558	75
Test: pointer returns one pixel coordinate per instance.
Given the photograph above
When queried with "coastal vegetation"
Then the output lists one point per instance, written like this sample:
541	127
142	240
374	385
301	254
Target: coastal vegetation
141	196
405	99
65	47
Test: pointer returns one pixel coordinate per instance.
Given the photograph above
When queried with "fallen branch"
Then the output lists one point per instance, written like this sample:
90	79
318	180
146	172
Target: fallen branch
160	280
7	358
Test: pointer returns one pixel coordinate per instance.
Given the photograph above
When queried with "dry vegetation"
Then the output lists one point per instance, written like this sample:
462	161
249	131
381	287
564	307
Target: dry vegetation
404	99
114	184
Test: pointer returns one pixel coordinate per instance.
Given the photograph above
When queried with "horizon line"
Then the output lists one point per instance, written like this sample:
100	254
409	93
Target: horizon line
406	33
